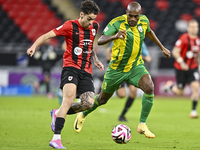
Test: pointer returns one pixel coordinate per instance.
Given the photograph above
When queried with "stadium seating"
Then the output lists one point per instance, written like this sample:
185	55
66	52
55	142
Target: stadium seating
32	17
162	14
27	19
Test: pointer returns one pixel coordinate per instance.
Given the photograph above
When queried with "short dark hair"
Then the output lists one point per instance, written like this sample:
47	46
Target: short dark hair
88	7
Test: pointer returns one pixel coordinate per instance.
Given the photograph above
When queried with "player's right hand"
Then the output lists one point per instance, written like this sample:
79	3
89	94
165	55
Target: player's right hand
166	52
30	52
184	66
121	34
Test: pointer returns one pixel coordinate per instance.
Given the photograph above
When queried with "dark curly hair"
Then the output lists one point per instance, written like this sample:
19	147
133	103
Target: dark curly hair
88	7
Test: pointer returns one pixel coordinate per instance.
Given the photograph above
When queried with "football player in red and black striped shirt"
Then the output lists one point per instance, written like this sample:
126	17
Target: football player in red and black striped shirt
186	53
76	78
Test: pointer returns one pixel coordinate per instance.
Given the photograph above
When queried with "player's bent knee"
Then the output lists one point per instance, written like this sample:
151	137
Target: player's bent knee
121	95
149	89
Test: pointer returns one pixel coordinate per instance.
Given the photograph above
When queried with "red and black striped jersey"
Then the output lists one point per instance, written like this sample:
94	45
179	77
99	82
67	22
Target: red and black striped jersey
190	48
79	41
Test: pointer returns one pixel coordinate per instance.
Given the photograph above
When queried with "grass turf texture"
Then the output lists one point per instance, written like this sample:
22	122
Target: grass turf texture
25	125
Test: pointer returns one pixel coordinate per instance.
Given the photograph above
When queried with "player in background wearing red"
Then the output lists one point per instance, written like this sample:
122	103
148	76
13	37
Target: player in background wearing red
76	78
187	64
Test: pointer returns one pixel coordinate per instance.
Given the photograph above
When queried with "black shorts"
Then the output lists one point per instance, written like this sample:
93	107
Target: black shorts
184	77
80	78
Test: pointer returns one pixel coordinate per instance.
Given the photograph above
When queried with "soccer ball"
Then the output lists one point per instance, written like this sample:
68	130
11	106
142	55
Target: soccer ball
121	134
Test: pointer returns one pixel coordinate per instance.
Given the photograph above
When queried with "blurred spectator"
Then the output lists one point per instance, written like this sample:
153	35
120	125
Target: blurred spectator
45	57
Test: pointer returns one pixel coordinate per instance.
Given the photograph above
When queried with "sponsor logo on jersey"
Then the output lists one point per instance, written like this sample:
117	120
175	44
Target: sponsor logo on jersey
87	52
77	50
79	33
86	42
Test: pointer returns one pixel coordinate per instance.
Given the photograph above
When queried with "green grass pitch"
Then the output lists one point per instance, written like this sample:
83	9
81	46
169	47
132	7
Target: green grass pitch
25	125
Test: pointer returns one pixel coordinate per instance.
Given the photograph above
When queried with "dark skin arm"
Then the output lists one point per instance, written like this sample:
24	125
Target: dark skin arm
105	39
151	35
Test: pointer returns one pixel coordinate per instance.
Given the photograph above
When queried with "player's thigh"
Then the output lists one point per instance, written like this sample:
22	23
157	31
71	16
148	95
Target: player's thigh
133	91
69	82
136	74
85	91
69	75
69	92
85	87
112	80
121	92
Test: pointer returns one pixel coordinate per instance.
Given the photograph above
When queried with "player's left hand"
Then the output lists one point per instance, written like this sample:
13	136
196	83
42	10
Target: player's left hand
99	65
166	52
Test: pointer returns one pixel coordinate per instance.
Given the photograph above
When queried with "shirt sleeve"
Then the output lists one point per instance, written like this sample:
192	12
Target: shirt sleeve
144	50
180	42
148	24
110	29
98	26
62	30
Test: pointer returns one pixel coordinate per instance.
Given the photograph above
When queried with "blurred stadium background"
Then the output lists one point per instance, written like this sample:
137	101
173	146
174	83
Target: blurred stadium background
22	21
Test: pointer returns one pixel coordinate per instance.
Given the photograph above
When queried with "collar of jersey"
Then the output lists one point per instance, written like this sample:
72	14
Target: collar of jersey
126	21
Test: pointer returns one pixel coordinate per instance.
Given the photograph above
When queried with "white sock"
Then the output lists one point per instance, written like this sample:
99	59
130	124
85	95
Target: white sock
56	136
142	122
56	112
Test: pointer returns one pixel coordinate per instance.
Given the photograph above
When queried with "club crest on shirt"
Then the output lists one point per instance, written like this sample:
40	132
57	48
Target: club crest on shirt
70	78
106	29
93	32
78	50
140	28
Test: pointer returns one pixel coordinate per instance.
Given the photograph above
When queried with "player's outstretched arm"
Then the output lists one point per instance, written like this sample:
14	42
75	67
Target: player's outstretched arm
151	35
39	41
